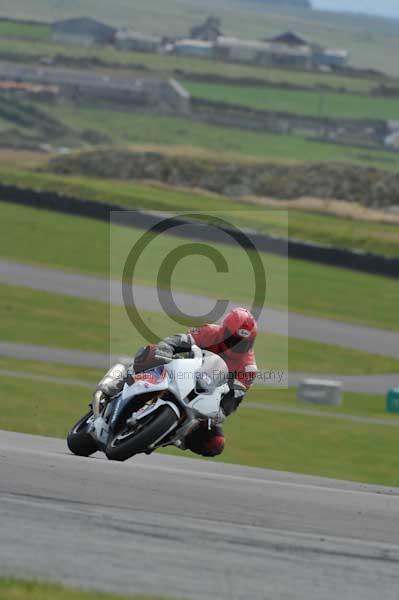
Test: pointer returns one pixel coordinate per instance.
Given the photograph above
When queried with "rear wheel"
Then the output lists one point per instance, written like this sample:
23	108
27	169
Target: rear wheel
79	441
149	430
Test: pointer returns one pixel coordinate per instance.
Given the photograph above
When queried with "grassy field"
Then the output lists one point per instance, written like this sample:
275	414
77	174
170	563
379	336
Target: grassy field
35	317
315	104
328	229
372	42
254	437
30	31
12	589
313	445
82	245
84	374
135	128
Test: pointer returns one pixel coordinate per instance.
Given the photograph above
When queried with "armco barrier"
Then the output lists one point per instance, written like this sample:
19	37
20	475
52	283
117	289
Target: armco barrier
318	253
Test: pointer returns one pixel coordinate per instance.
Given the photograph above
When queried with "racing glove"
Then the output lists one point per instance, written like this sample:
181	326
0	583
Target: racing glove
232	400
151	356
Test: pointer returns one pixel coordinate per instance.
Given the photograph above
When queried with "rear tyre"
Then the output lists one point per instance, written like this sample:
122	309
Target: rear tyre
79	441
151	429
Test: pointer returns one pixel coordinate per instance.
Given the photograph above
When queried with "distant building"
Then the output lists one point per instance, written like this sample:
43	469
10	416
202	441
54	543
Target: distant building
289	38
234	49
209	31
290	48
126	39
289	56
190	47
264	53
83	31
327	57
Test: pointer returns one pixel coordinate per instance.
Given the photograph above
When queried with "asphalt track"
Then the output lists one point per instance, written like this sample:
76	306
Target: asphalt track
192	529
375	341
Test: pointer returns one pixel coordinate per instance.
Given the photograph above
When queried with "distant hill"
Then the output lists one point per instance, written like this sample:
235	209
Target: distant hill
303	4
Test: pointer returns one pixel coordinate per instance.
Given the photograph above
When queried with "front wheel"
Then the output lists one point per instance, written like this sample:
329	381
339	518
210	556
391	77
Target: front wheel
79	441
149	431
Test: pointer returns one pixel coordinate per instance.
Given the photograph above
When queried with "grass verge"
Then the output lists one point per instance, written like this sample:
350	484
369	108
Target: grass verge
313	445
376	237
82	245
12	589
84	374
54	320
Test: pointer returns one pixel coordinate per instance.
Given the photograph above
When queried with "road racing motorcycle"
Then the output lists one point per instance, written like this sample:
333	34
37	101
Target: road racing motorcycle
160	408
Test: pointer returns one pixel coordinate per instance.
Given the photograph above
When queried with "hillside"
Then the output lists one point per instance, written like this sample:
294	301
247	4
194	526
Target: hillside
302	4
373	42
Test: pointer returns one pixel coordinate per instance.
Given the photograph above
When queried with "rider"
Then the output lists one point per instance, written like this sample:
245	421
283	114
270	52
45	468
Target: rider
233	340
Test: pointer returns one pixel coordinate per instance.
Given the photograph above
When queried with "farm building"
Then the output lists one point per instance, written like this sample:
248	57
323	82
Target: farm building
330	58
190	47
83	31
278	54
126	39
234	49
290	48
265	53
208	32
289	38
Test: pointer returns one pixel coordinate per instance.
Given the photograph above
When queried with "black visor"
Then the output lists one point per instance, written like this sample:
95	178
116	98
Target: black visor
238	344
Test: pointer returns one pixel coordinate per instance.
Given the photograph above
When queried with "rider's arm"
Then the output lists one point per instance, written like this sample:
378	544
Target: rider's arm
159	354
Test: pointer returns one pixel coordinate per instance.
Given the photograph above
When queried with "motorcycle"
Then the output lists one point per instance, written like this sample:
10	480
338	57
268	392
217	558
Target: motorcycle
160	408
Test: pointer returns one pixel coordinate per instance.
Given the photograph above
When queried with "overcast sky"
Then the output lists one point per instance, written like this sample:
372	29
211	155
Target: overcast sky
382	7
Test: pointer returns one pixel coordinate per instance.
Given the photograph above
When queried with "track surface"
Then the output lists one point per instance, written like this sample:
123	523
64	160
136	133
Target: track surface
375	341
192	529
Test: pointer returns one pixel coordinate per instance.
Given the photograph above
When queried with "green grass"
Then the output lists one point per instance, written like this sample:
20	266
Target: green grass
12	589
48	409
327	229
355	404
298	443
79	244
313	445
309	103
84	374
125	127
31	31
34	317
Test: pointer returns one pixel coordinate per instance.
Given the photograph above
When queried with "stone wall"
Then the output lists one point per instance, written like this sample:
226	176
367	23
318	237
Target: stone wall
356	131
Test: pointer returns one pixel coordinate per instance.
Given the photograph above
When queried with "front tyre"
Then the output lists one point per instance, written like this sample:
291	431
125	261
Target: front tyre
149	431
79	441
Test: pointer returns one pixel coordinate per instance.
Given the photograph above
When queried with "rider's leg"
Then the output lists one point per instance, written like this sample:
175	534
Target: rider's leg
206	442
112	383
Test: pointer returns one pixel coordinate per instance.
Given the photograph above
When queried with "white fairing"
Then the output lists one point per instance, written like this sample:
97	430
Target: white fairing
209	404
182	374
143	387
